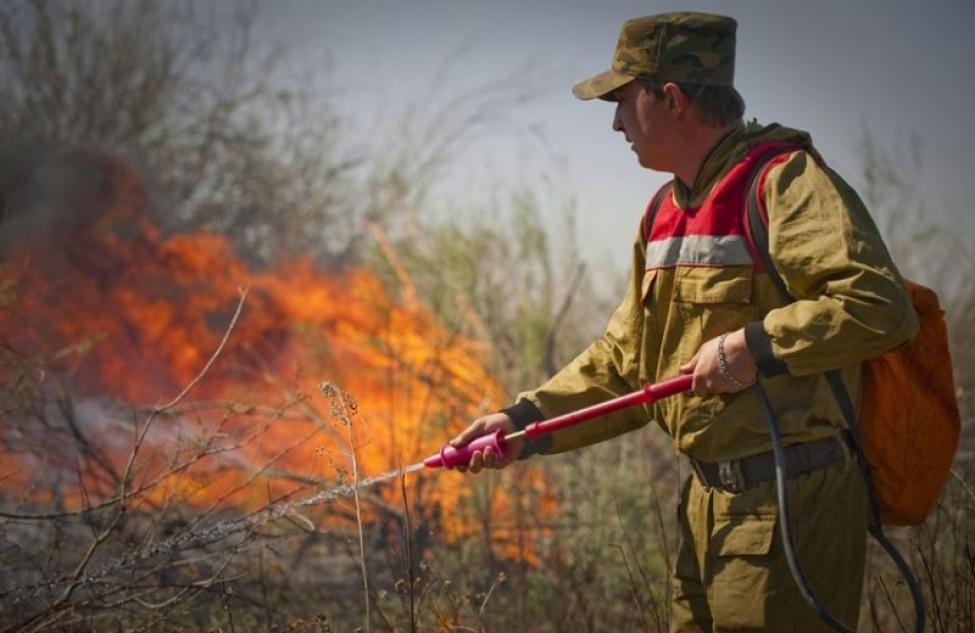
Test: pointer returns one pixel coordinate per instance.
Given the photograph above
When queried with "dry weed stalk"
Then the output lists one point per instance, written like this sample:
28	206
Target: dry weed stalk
343	410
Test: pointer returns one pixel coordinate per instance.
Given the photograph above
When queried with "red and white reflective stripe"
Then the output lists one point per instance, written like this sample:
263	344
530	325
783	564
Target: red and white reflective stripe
698	250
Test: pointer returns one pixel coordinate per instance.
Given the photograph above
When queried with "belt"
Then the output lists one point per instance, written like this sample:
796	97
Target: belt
738	474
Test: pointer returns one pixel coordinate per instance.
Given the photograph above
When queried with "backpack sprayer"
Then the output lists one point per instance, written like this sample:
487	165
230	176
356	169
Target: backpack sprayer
450	457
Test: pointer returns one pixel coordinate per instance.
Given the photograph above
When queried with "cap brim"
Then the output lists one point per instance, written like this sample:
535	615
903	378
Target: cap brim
599	86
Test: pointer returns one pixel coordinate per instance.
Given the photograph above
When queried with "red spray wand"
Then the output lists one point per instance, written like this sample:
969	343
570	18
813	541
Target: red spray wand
450	457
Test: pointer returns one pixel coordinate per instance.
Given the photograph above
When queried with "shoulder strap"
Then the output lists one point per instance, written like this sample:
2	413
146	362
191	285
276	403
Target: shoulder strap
758	224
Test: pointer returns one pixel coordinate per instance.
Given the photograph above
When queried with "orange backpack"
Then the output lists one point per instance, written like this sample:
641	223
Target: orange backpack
909	420
909	425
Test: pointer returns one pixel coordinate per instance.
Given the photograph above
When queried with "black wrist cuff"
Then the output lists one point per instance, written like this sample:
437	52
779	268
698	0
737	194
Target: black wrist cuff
523	413
760	345
537	446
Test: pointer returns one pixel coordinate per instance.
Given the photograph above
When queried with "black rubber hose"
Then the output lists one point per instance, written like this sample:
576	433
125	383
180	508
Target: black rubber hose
908	576
787	545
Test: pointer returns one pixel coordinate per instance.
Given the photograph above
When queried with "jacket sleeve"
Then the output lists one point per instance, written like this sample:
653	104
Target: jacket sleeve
609	367
851	304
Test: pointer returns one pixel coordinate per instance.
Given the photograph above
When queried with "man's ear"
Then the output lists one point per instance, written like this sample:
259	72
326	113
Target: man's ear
674	98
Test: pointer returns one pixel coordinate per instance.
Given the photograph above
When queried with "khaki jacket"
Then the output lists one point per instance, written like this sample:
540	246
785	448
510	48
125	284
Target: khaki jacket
850	306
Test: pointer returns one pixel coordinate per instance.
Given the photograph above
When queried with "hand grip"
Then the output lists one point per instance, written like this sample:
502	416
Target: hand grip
450	457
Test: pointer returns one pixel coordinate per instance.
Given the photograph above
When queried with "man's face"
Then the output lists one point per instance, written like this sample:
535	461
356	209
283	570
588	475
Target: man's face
646	124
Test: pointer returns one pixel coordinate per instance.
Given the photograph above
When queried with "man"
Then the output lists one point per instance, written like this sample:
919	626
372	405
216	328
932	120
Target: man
700	302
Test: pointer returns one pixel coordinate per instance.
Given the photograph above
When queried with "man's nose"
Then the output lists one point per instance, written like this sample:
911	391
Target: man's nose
617	121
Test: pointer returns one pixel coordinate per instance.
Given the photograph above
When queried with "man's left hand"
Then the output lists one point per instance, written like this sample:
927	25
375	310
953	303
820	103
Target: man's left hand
708	379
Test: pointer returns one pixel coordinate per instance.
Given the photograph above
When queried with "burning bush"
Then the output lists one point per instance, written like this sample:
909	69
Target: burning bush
104	314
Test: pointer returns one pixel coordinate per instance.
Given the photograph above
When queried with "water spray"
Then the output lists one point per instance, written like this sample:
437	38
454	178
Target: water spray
450	457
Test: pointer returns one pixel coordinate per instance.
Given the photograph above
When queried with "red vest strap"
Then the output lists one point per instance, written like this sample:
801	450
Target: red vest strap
653	207
714	233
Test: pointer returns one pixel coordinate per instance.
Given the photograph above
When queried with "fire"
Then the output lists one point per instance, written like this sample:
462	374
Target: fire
121	317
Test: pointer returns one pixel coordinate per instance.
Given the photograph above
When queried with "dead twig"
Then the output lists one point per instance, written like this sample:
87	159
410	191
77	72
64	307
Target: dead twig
494	585
550	339
213	357
408	539
964	484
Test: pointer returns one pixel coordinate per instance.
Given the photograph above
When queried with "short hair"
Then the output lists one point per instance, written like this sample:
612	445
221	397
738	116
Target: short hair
717	106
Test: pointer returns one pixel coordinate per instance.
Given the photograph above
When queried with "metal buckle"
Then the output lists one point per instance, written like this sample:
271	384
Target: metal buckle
729	474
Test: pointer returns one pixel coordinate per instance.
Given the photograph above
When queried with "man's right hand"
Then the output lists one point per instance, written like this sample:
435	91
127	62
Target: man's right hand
489	458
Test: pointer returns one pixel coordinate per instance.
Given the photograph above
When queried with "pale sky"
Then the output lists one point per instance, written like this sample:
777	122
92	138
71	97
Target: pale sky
833	68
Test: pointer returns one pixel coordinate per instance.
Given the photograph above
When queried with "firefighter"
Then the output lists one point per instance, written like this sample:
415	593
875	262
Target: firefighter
699	302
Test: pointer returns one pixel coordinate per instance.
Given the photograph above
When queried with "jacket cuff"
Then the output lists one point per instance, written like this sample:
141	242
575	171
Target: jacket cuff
760	345
523	413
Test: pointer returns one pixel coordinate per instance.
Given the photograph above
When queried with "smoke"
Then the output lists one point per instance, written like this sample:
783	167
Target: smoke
55	205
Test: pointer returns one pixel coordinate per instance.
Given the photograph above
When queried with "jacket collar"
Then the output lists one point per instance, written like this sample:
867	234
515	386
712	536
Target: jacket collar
720	158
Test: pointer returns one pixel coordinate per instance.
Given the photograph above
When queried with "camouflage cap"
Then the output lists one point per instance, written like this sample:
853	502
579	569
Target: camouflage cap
697	48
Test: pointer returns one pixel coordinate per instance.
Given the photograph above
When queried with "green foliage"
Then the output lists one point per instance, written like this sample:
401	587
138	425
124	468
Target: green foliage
493	274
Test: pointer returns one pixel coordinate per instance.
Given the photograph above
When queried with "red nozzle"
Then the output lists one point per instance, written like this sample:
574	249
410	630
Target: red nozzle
450	457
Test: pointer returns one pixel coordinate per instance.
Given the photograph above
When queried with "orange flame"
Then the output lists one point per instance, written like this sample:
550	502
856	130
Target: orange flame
125	317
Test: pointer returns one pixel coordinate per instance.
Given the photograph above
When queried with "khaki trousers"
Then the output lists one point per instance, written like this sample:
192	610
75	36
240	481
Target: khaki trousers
731	573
